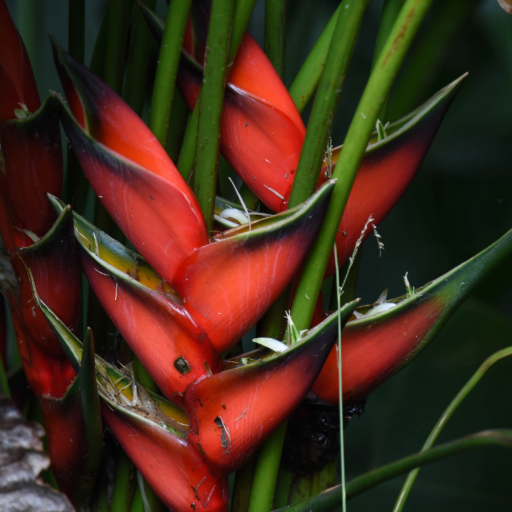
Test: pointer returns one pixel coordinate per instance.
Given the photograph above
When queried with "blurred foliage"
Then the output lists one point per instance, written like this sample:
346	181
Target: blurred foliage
460	202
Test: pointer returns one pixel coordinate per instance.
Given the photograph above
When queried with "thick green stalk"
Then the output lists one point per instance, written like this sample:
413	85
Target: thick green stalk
267	468
249	197
275	33
177	127
283	486
325	478
390	11
167	70
186	161
363	123
326	100
447	414
309	75
212	100
138	60
118	20
76	29
301	488
331	498
188	148
122	496
243	483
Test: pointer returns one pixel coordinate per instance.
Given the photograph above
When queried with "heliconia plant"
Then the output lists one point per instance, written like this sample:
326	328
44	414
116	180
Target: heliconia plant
182	278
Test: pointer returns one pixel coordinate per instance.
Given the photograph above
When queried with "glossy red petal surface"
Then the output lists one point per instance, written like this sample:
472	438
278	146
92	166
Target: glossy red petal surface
65	433
46	375
371	355
17	83
381	180
261	132
163	223
228	285
173	469
54	266
6	221
106	117
162	334
33	166
376	347
232	413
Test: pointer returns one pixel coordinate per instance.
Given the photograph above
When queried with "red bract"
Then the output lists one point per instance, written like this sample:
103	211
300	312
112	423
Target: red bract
17	83
170	465
227	286
129	170
54	268
261	130
172	346
387	170
232	413
375	347
151	432
33	167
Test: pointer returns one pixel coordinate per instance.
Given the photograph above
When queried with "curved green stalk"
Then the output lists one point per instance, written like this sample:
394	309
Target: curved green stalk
376	92
167	70
447	414
309	74
212	100
331	498
138	60
275	33
122	496
118	20
267	468
242	489
326	100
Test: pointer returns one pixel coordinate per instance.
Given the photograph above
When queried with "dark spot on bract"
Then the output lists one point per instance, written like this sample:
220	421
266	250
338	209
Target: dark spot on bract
182	365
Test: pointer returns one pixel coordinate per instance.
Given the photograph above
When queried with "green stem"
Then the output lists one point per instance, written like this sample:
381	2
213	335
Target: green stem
167	70
326	101
331	498
249	197
138	60
447	414
325	478
390	11
309	75
283	488
376	92
118	19
76	29
212	100
265	476
275	33
301	488
122	496
186	161
243	484
177	127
